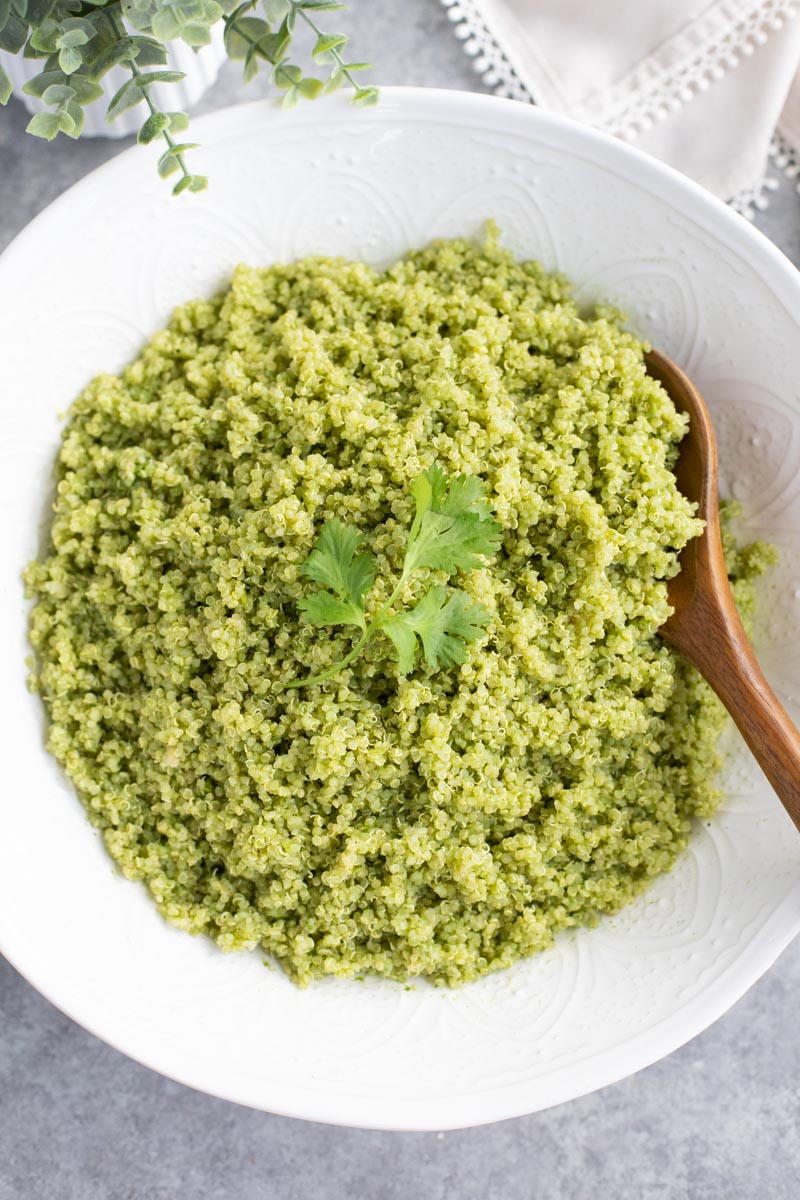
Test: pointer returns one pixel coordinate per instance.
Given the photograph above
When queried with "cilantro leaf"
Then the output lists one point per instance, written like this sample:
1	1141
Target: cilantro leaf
322	608
404	639
334	563
452	543
463	494
445	621
453	528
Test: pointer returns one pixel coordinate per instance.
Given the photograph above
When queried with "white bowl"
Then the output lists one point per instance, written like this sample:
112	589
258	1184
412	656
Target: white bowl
100	270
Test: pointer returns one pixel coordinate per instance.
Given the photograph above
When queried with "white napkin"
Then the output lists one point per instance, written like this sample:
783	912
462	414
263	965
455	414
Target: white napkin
702	84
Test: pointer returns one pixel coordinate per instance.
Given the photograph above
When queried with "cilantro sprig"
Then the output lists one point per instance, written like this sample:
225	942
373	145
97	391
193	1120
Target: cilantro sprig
453	530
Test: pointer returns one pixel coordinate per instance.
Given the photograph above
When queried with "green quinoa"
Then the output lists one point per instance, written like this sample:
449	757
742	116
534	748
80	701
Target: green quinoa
443	824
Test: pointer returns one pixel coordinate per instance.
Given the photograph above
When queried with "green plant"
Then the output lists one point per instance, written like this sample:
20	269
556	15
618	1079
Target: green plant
453	529
78	41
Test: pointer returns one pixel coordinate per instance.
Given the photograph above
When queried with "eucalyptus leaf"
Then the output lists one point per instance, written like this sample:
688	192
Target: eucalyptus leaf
239	11
195	33
40	83
128	96
366	96
72	38
45	38
44	125
236	46
13	36
69	24
70	59
36	11
276	10
250	64
81	87
125	50
31	53
325	43
252	29
166	25
309	88
153	127
168	165
274	46
287	76
150	53
86	90
77	117
148	78
5	87
66	122
169	162
334	80
178	122
190	183
58	93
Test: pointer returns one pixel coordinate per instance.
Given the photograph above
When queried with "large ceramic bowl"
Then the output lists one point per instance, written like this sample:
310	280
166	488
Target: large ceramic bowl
100	270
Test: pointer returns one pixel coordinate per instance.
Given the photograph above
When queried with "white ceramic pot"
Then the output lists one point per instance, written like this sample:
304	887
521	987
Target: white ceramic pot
201	68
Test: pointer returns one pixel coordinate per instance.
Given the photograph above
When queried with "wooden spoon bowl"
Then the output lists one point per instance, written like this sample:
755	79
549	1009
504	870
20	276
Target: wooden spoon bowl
705	626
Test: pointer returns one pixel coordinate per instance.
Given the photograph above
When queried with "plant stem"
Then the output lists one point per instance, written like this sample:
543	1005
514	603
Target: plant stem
233	17
343	662
113	15
373	627
334	52
338	61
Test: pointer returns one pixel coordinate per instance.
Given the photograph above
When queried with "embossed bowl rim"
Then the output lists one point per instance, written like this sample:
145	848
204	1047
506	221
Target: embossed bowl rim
77	213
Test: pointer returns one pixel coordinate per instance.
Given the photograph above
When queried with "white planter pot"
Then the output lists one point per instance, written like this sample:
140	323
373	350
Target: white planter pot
200	67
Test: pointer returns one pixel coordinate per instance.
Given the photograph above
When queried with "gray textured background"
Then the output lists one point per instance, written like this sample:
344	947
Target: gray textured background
718	1120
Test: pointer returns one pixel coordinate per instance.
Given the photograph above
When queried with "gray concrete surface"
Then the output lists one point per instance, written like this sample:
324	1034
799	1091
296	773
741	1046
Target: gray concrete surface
718	1120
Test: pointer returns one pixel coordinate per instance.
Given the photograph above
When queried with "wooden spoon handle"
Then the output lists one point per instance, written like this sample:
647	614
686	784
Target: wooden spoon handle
716	643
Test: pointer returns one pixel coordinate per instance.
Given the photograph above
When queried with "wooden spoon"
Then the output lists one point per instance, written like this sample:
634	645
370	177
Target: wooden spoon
705	626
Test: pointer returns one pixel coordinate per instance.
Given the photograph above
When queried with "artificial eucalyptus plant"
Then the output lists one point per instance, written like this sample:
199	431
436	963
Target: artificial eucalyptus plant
78	41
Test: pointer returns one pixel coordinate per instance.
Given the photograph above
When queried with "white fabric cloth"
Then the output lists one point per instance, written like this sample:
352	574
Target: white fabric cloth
702	84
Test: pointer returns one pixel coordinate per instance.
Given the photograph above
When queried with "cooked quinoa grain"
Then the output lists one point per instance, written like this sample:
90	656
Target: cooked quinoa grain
443	824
